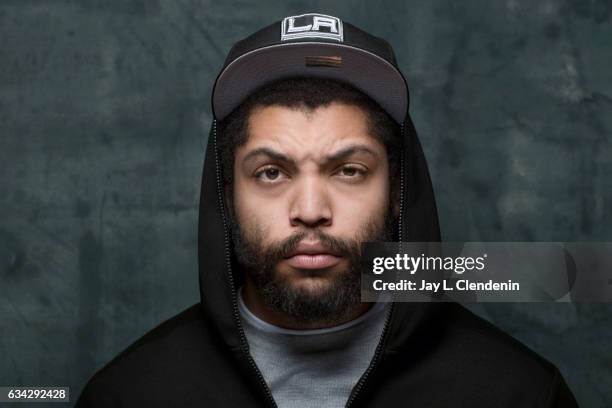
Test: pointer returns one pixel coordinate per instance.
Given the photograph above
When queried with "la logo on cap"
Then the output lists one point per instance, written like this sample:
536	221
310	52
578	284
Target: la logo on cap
311	25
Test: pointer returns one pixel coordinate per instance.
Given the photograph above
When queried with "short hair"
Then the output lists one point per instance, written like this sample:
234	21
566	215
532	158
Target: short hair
308	94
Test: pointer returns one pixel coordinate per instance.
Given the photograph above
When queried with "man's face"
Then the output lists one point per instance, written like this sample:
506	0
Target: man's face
309	187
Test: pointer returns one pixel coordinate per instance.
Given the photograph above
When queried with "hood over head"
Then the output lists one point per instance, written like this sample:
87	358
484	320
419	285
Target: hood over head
310	45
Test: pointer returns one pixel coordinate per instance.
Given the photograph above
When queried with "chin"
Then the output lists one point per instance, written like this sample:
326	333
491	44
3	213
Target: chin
311	283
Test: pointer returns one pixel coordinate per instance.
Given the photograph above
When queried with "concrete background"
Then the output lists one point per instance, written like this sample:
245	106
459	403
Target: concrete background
104	111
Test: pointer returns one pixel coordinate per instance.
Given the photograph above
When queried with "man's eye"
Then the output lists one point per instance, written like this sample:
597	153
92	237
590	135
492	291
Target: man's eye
351	171
269	174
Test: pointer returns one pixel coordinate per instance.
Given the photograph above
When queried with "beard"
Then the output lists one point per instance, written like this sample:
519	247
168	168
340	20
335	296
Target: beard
329	303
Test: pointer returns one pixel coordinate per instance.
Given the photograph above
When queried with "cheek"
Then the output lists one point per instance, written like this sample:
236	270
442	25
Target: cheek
254	211
357	207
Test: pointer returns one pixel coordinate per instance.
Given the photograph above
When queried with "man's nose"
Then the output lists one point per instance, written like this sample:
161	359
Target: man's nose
310	204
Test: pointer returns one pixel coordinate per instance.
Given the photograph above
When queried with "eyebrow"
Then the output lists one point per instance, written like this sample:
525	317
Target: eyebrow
339	155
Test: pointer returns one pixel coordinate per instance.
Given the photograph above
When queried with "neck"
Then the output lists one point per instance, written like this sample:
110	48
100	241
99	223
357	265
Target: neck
256	305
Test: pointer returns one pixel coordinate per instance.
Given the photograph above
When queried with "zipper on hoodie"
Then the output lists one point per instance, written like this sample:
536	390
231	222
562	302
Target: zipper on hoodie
244	345
236	313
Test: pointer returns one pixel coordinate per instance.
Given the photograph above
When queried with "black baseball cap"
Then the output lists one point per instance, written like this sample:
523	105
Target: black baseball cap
312	45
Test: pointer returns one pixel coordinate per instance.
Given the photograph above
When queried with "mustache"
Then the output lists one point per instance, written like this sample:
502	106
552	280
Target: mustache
288	245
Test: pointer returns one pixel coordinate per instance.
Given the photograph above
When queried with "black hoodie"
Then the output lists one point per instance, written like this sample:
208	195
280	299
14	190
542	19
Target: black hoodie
430	354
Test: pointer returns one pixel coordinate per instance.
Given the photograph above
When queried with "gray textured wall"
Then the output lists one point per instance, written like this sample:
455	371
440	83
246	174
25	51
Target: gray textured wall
104	106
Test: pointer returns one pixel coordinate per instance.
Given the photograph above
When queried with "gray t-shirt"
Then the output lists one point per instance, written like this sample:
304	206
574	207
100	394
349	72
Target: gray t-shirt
313	368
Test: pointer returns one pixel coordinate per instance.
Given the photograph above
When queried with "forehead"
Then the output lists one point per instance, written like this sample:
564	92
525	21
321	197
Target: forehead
315	131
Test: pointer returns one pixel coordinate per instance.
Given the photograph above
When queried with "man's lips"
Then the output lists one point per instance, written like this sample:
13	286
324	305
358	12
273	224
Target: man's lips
318	261
312	255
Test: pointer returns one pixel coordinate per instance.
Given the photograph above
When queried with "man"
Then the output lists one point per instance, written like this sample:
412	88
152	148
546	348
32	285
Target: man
312	152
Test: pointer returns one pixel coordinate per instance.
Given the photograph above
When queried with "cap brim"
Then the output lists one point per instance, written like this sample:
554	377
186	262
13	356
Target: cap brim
369	73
